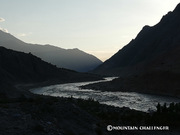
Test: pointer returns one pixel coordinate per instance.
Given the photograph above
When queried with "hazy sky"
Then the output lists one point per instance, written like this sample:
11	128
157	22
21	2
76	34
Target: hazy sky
99	27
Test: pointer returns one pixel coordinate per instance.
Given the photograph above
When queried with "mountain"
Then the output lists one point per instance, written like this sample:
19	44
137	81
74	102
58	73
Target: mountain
149	63
74	59
150	43
21	68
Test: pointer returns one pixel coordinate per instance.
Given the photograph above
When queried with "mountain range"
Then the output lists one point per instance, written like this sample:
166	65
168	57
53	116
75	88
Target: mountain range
150	62
73	59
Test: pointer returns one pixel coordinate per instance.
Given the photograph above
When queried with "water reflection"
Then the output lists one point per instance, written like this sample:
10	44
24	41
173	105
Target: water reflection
133	100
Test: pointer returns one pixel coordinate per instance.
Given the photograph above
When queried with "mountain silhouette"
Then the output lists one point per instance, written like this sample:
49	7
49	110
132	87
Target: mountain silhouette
149	63
74	59
150	43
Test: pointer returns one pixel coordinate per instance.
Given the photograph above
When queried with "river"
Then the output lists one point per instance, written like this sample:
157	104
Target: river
133	100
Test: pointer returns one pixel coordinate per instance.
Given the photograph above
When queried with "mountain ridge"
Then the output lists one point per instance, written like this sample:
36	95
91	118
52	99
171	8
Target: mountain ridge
148	44
149	63
74	59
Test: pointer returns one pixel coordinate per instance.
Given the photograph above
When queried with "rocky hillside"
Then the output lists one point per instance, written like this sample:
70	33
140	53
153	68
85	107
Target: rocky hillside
74	59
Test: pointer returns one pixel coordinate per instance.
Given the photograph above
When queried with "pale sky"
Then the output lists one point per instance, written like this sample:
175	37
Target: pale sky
98	27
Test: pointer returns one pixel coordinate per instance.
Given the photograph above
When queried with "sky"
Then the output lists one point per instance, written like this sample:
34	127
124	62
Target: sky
98	27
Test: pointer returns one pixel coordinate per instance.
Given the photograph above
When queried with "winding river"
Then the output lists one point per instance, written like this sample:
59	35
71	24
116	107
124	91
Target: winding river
133	100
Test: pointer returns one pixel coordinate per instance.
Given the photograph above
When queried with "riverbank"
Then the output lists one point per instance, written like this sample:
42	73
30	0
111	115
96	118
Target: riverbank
44	115
137	101
147	84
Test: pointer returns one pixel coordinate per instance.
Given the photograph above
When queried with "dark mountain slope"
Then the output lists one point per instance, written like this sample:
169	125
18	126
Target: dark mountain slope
150	43
74	59
150	63
21	68
160	76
